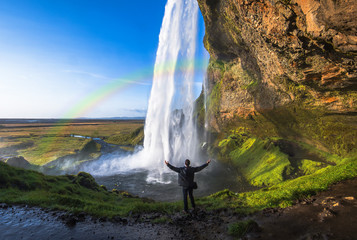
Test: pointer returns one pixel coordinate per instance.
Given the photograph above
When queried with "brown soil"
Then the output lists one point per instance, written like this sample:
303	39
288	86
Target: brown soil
328	215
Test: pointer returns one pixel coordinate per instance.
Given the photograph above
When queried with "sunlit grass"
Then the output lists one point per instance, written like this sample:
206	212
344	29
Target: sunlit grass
308	167
74	193
259	160
260	163
40	143
283	194
47	149
20	186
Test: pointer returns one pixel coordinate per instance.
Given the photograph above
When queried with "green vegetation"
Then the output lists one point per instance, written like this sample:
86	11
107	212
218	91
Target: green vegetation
266	162
214	100
73	193
284	193
41	143
164	219
252	146
260	162
239	229
335	133
47	149
200	110
80	193
325	142
133	138
309	167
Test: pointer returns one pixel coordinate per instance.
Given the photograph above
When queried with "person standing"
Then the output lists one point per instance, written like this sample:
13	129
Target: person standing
186	176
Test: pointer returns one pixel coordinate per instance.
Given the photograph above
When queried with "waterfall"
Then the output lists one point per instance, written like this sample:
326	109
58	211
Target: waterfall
170	132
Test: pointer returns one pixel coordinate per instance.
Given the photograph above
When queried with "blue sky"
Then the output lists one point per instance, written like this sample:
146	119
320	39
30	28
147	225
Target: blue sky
55	53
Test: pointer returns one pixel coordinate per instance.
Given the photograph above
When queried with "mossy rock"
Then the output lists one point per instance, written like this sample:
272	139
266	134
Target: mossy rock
309	167
19	161
86	180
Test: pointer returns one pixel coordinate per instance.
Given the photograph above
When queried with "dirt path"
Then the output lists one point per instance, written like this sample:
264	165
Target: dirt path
329	215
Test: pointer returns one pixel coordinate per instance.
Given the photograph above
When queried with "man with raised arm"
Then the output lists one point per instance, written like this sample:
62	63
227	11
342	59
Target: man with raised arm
186	177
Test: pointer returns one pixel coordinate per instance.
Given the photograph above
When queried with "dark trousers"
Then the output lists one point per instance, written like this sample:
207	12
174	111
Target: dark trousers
188	190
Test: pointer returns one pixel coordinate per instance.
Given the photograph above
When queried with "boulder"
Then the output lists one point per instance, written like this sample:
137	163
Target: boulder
19	161
86	180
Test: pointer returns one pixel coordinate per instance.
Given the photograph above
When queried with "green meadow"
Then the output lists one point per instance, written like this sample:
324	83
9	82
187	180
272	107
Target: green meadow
281	179
41	143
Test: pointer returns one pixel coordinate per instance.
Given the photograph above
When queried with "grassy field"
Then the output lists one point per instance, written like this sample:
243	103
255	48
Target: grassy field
43	142
80	193
73	193
264	163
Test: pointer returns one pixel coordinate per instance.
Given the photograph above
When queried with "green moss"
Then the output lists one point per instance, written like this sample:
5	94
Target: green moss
239	229
308	167
216	64
214	100
335	133
200	111
232	142
283	194
260	162
299	91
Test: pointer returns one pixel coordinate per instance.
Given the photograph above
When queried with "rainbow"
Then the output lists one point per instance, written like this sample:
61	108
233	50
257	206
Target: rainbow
95	98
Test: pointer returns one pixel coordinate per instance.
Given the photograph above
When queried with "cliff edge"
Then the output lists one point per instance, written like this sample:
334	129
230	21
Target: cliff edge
285	69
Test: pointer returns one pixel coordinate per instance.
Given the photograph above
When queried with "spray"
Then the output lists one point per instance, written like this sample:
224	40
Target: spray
170	130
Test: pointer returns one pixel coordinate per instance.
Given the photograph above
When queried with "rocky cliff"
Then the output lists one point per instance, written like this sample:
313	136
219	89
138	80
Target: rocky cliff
283	69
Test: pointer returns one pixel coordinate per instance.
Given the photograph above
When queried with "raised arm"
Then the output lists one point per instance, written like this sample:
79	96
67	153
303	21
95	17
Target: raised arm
176	169
197	169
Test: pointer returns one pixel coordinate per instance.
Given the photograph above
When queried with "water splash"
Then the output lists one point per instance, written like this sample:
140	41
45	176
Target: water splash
170	131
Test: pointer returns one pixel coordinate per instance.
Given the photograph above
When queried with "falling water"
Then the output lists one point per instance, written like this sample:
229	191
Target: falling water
170	132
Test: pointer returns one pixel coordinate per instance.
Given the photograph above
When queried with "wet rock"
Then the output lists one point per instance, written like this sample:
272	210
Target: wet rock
326	213
71	221
275	43
81	217
349	198
4	206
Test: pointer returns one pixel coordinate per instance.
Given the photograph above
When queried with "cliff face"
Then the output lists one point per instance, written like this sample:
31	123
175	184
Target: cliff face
287	67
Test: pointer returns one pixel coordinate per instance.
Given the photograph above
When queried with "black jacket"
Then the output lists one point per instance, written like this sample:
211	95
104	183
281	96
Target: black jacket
186	175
